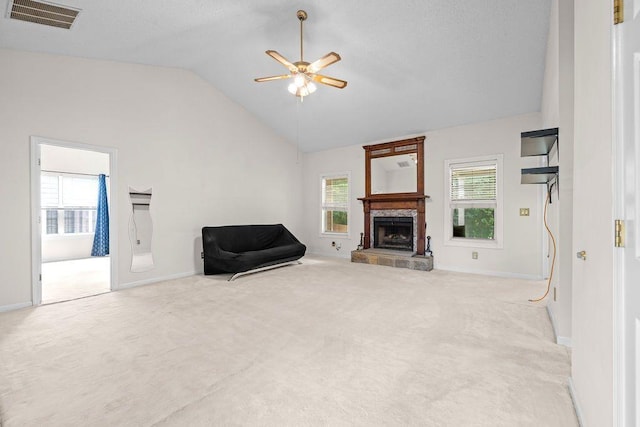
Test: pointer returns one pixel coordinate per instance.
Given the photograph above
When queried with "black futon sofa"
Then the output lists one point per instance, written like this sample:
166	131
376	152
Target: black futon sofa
241	248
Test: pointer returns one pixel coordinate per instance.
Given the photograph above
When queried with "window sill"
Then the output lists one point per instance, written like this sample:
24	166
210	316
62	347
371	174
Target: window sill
473	243
66	236
336	235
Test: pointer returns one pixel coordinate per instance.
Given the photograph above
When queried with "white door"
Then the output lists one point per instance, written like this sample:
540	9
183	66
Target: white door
627	74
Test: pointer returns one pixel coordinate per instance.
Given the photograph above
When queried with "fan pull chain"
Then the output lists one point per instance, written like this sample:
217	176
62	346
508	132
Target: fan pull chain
298	129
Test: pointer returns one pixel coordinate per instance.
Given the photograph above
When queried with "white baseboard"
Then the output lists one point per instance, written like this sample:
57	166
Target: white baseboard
565	341
576	403
155	280
487	272
18	306
444	267
343	253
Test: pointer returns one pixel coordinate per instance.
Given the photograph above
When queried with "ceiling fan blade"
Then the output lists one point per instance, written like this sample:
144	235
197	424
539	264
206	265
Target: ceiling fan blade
323	62
268	79
330	81
281	59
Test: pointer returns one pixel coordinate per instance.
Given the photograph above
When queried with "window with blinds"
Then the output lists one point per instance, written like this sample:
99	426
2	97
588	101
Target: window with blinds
335	204
473	183
473	199
68	203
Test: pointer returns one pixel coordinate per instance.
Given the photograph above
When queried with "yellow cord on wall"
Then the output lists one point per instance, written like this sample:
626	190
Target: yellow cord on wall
553	240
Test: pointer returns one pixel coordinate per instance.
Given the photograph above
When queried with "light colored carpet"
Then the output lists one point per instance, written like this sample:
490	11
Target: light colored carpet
327	342
78	278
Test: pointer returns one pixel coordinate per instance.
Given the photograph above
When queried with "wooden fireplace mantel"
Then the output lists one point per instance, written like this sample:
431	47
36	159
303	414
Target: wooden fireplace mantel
392	201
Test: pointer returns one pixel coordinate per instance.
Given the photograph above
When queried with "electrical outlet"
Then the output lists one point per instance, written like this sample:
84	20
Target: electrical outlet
202	255
524	211
474	255
333	244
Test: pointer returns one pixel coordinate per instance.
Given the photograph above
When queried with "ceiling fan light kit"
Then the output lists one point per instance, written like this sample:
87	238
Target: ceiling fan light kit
301	86
305	73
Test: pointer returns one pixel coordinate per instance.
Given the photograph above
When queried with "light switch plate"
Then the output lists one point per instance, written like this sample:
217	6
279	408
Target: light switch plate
524	211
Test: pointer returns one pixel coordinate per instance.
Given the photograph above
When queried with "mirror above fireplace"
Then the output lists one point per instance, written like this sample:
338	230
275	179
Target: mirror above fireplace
394	174
395	167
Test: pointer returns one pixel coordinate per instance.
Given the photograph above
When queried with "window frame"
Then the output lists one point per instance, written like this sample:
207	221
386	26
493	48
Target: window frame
61	209
324	177
497	241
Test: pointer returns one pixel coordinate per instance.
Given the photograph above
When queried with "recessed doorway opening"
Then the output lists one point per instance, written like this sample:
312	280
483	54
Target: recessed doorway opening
73	233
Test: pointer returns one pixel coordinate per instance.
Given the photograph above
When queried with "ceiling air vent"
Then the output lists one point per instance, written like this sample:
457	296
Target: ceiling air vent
38	12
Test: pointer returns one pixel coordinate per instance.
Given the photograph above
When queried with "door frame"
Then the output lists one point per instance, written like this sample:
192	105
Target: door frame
36	228
620	396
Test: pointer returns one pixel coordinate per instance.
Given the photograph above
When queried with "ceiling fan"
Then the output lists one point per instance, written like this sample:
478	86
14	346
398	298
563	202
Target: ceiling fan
304	73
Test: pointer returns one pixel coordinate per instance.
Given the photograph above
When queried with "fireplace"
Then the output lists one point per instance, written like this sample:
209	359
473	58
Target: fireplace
393	233
394	219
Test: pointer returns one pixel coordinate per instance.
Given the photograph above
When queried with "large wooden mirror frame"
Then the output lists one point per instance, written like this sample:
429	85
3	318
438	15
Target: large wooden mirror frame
412	200
413	146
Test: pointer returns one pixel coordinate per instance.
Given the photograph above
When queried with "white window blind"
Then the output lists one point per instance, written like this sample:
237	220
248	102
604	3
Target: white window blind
49	191
68	203
79	191
473	183
473	214
335	204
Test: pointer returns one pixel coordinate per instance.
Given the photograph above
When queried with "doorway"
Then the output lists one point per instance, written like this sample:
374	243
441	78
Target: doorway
73	232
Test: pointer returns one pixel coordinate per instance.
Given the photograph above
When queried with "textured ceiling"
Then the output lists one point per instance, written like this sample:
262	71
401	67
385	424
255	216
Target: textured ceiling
412	65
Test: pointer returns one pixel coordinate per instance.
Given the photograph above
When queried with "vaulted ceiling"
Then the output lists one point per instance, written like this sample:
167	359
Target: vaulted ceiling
411	66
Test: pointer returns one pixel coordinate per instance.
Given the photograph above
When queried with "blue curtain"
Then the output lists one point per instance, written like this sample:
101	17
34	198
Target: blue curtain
101	237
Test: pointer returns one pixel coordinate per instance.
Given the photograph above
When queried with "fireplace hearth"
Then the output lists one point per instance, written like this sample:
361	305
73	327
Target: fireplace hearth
393	233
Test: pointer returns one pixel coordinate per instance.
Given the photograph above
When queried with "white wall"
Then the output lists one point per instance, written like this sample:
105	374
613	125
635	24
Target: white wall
567	142
592	360
559	309
583	312
347	159
208	160
521	253
550	86
558	111
62	248
60	159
